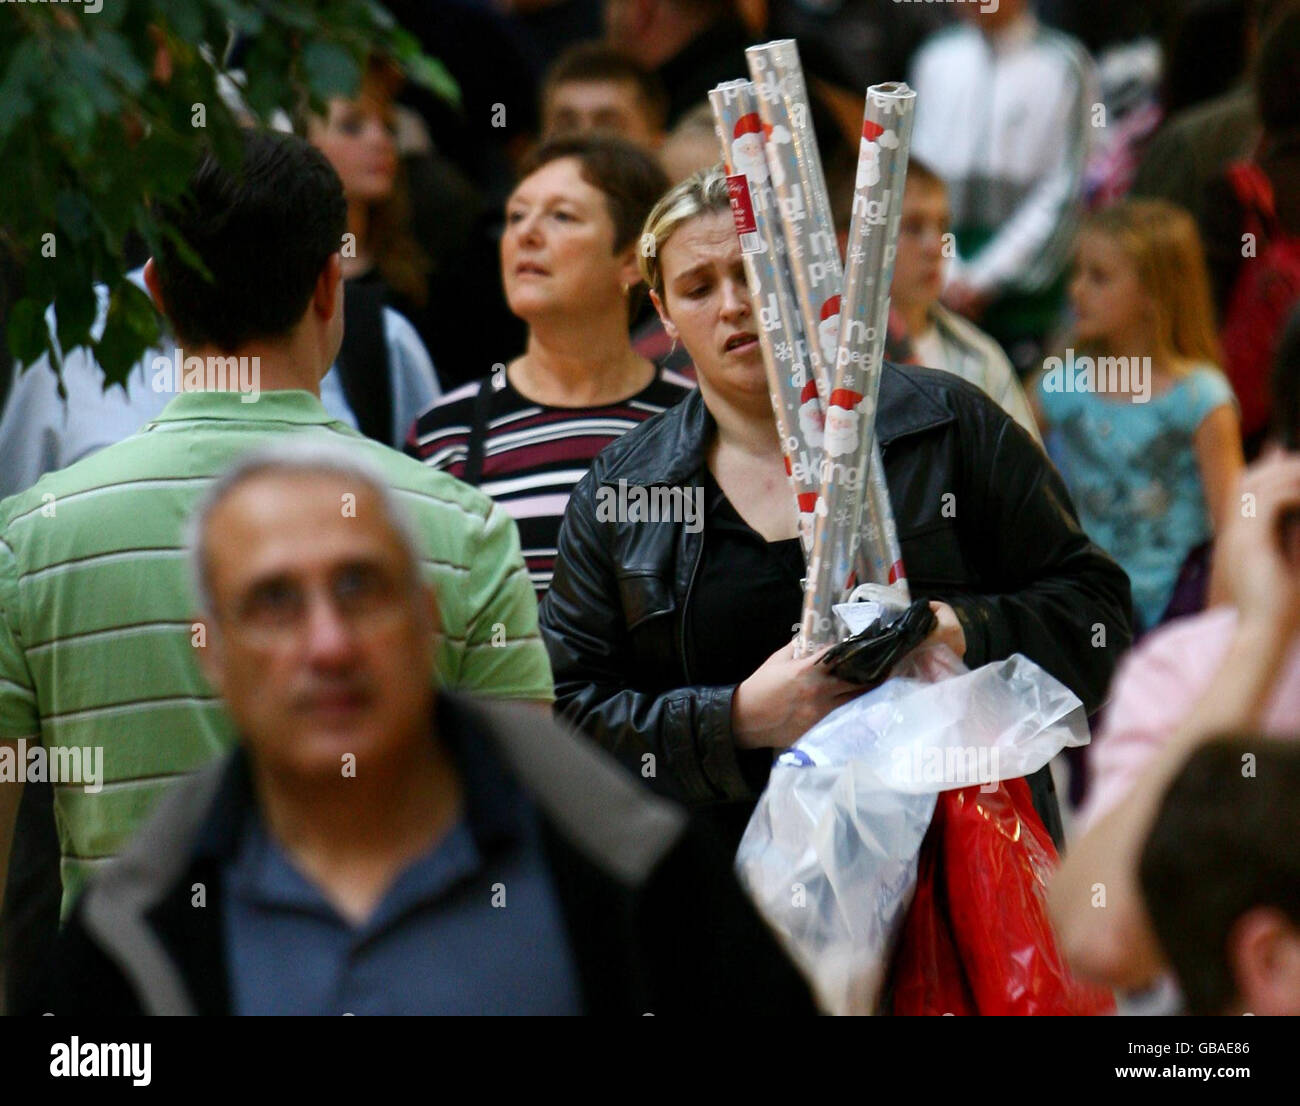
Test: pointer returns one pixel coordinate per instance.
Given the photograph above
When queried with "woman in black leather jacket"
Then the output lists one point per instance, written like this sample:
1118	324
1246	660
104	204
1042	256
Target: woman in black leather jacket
678	584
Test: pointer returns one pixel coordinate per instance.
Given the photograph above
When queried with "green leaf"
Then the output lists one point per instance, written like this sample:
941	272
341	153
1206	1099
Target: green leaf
74	214
88	140
380	16
111	14
72	116
132	327
27	331
115	52
185	17
242	16
75	307
23	73
331	69
424	70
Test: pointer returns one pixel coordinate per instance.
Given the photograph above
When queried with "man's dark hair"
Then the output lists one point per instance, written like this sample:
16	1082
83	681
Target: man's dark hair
1277	76
1226	839
264	230
631	179
595	61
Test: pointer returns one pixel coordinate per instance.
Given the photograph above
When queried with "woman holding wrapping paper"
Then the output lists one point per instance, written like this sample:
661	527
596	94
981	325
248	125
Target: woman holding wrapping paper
670	639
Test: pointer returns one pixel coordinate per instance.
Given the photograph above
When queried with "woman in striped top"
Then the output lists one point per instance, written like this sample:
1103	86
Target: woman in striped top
527	432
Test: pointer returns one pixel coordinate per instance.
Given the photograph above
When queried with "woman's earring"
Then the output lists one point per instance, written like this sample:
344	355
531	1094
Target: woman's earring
626	288
673	348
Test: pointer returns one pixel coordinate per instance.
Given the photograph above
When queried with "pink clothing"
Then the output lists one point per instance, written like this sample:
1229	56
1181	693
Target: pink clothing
1157	684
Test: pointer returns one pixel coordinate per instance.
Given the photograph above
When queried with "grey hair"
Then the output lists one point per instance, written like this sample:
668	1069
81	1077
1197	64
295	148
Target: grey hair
704	191
304	454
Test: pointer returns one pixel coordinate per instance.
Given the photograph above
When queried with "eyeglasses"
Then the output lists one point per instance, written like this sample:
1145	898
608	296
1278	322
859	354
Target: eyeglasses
364	596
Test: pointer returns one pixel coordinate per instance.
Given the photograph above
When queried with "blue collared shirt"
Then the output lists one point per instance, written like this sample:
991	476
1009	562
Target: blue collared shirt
473	926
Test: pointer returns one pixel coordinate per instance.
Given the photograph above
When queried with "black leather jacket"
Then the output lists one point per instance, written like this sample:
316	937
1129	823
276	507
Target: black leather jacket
1005	551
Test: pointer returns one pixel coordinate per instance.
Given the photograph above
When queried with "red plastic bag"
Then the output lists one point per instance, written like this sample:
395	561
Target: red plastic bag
927	972
977	939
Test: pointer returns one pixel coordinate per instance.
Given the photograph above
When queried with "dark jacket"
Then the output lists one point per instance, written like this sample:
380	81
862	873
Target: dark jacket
1004	550
655	919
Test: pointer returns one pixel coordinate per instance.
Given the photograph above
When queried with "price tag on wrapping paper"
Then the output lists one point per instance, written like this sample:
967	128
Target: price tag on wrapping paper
742	214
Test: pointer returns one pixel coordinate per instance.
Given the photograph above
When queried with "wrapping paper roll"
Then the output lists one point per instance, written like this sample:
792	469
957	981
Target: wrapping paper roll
802	200
795	399
858	541
857	523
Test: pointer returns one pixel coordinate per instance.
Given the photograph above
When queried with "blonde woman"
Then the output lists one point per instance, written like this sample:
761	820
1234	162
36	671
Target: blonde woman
670	635
1145	424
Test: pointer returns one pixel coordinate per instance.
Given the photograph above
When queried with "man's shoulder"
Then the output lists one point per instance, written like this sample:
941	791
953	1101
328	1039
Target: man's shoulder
406	474
1054	43
129	460
966	335
153	462
948	42
594	805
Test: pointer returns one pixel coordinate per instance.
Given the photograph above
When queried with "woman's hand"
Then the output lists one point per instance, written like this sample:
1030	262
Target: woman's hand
785	698
948	632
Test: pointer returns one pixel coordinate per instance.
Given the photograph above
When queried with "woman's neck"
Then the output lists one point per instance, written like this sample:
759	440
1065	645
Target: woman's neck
746	423
580	366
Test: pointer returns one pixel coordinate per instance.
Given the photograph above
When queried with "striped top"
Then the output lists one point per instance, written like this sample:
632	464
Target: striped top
533	455
97	631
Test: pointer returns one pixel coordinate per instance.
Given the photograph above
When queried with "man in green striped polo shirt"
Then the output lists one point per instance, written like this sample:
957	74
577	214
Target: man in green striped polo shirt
98	636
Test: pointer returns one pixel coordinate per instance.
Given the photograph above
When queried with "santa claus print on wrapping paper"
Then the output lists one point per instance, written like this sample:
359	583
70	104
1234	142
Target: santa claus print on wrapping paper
843	422
808	502
828	329
874	139
748	153
747	148
811	419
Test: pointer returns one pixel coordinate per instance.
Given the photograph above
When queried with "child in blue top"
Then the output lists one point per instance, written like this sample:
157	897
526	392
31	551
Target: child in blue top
1140	420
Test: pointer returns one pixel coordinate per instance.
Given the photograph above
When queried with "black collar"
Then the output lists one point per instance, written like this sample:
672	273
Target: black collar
676	454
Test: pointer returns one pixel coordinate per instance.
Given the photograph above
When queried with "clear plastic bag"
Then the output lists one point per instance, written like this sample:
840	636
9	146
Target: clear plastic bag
830	853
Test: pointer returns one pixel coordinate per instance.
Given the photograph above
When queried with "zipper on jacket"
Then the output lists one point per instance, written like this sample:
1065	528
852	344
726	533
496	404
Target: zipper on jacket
686	603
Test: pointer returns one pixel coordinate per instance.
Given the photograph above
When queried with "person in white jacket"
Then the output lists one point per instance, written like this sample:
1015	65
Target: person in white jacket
1004	112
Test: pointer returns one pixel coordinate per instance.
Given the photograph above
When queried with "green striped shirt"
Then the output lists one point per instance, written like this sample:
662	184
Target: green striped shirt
97	614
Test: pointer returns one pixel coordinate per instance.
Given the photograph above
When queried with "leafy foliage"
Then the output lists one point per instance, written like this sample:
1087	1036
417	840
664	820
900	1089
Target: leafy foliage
106	106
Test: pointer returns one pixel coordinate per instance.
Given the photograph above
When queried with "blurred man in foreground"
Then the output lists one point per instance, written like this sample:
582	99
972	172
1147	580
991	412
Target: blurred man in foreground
418	853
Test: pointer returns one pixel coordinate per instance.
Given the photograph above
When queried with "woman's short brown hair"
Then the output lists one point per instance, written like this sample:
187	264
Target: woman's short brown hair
630	178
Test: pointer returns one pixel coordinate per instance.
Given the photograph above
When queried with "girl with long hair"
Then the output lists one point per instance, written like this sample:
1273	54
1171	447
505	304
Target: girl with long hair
1140	419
